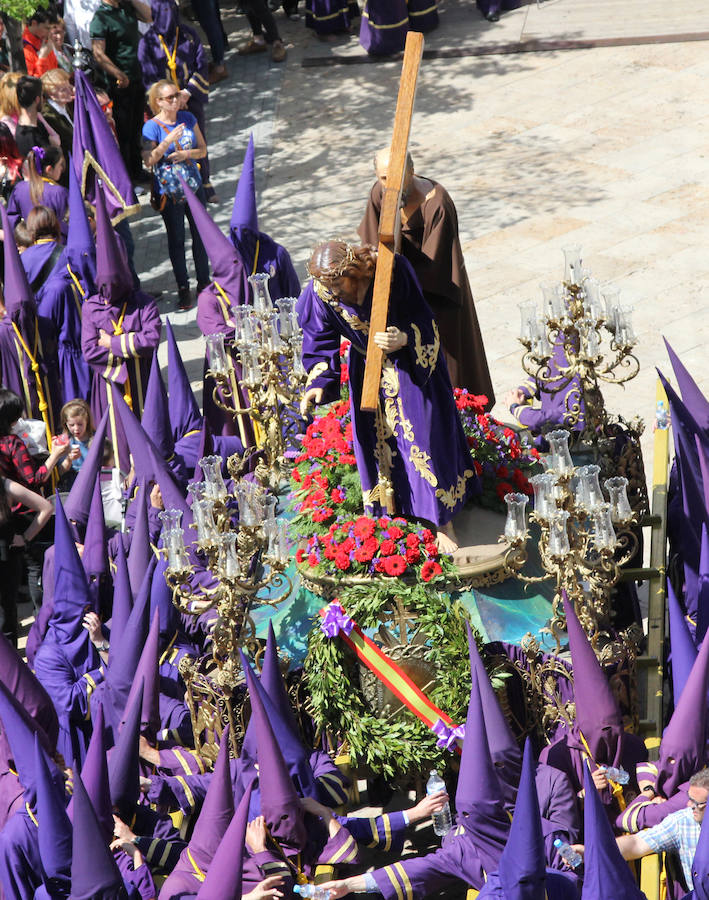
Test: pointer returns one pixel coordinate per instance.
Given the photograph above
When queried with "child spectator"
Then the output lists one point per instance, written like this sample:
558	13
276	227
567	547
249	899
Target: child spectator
45	168
78	427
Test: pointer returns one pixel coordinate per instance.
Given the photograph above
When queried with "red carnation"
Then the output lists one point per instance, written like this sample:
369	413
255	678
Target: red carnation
427	536
431	550
383	521
413	555
395	533
342	560
503	488
297	477
364	527
337	496
395	565
430	569
348	544
412	540
299	555
378	565
312	559
387	548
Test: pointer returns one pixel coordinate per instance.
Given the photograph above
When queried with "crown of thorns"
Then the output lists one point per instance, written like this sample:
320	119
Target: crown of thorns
339	270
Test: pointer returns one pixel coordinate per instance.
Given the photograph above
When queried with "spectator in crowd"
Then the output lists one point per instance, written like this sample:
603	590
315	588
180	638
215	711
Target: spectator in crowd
31	129
4	49
15	535
265	31
10	107
172	143
62	50
209	17
10	162
44	169
114	41
58	109
37	44
171	49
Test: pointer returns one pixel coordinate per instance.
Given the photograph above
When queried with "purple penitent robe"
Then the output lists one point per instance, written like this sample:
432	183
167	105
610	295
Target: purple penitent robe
260	253
214	317
134	326
413	445
54	197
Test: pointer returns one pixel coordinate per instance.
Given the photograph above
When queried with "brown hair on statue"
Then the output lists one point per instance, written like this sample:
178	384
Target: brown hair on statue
338	259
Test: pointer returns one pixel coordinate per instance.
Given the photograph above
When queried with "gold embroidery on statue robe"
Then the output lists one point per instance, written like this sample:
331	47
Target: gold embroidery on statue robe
420	460
426	354
355	323
455	492
393	407
317	370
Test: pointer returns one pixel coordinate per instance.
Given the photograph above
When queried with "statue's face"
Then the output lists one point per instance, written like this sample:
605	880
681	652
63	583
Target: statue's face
346	288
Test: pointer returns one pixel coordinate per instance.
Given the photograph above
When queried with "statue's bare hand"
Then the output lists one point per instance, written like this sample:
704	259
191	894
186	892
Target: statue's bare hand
311	397
390	340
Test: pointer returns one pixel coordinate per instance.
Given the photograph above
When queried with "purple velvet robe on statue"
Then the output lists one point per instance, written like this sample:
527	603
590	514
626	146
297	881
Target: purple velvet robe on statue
414	443
54	197
132	347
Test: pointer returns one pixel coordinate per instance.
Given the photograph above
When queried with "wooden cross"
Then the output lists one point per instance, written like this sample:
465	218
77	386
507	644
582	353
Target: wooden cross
390	218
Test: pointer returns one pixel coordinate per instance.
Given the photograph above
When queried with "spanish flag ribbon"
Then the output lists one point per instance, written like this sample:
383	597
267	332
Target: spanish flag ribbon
336	623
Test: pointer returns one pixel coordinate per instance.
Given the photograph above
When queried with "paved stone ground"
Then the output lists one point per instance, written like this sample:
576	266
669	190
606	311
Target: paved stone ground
603	144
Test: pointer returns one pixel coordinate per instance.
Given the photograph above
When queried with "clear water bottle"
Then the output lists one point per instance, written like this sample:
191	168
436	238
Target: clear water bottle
442	822
619	775
572	859
313	891
662	417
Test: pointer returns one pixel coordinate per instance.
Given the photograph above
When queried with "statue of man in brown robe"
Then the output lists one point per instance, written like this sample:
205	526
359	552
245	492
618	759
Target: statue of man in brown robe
430	242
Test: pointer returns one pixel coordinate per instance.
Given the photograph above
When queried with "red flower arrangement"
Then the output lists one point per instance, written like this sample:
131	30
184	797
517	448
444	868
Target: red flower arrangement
337	539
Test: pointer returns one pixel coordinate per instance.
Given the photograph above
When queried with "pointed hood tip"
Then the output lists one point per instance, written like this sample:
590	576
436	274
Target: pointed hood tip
244	213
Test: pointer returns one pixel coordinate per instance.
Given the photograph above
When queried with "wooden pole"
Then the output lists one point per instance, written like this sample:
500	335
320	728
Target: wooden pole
390	218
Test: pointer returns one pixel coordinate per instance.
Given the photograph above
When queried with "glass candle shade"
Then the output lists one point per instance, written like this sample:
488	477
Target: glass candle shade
228	559
282	540
214	486
588	494
195	491
554	306
592	302
558	544
561	460
298	367
544	503
175	545
529	326
245	325
203	511
262	297
217	359
286	316
541	348
572	264
170	518
624	334
251	364
515	525
249	514
272	339
611	295
603	532
267	503
590	343
617	488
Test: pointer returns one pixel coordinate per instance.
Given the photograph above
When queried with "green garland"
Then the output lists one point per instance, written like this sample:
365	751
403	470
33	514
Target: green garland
402	745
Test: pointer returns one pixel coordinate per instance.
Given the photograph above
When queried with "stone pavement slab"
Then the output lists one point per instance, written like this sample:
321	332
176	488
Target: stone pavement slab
601	145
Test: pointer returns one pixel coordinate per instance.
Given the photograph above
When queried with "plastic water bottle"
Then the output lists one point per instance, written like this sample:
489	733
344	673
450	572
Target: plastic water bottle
314	891
619	775
568	854
662	419
442	822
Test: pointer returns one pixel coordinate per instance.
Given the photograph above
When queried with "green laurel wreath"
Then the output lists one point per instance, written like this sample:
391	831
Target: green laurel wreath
401	746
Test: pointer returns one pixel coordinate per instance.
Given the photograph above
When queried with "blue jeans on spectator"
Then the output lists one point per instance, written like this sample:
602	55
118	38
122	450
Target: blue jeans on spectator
210	18
173	215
